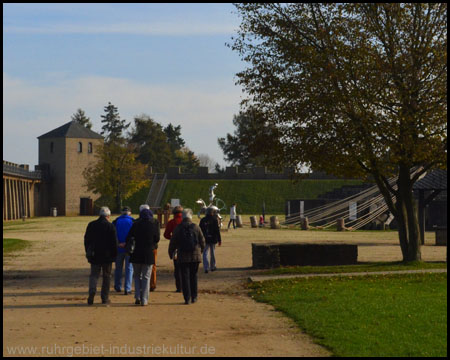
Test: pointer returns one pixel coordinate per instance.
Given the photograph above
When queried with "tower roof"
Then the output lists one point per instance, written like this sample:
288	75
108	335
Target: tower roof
72	129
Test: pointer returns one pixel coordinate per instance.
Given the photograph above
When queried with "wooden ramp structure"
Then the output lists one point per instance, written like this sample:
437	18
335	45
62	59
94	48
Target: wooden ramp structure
156	191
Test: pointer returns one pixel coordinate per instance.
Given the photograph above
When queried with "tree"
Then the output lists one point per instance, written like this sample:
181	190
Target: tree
218	169
81	117
207	161
116	174
186	160
151	143
113	127
174	138
354	90
243	147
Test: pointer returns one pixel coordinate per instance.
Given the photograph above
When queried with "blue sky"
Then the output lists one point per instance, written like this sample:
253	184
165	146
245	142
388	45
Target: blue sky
168	61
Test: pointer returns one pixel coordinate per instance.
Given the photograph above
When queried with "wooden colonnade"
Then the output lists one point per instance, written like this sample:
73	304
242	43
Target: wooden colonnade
18	197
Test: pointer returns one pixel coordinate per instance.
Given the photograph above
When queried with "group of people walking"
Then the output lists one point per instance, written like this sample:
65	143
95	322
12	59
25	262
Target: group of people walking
134	242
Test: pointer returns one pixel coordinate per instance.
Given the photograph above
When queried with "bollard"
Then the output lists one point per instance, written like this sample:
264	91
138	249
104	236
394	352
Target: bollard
53	211
304	223
238	221
253	221
340	225
274	223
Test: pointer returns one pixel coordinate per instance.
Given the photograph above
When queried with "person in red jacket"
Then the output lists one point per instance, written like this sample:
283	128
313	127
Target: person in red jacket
170	227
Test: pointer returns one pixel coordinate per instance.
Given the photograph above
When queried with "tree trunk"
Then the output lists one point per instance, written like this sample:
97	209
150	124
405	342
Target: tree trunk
405	213
408	222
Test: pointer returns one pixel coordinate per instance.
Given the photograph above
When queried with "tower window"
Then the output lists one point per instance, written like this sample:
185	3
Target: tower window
80	147
51	147
90	148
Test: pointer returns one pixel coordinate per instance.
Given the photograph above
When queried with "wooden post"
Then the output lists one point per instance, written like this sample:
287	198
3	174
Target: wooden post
340	224
166	217
304	223
159	214
5	199
253	221
238	221
16	200
422	215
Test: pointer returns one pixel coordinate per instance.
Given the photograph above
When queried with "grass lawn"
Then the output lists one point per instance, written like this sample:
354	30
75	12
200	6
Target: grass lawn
10	245
393	315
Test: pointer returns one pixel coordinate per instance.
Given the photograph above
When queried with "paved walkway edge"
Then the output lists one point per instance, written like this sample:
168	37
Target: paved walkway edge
257	278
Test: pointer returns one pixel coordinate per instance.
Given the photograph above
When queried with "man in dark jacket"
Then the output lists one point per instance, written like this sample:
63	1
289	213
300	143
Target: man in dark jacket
100	244
188	241
146	232
211	231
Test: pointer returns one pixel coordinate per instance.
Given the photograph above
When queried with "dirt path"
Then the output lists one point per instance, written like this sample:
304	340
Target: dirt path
45	311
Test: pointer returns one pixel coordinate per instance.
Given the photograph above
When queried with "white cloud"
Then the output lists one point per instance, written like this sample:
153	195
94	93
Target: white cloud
203	109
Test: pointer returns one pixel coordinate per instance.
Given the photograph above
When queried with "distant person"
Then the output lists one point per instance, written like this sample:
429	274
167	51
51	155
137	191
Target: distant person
146	232
155	253
188	241
123	225
211	232
232	216
261	221
100	244
170	227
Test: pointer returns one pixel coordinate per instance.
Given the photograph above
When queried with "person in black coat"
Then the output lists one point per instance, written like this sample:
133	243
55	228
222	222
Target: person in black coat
145	232
100	244
211	231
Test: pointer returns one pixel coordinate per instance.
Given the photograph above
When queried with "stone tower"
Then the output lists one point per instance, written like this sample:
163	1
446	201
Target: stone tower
66	151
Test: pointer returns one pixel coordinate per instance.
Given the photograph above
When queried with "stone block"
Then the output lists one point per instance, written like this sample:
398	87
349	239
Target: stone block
296	254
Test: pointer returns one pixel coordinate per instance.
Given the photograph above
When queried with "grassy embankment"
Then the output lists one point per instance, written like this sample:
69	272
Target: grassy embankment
248	194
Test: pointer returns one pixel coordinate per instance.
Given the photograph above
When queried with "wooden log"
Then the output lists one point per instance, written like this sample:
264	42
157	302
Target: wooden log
274	223
340	225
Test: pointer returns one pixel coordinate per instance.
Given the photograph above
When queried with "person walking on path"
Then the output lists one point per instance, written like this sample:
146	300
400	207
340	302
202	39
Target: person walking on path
145	232
211	232
188	241
232	216
170	227
100	244
155	253
123	225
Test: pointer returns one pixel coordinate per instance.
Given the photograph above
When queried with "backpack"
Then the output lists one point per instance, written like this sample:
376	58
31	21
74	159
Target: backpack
189	239
207	230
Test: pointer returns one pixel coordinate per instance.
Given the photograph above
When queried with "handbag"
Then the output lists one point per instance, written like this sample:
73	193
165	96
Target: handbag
130	245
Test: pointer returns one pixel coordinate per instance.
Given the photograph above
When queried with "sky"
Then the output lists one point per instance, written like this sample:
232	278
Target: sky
168	61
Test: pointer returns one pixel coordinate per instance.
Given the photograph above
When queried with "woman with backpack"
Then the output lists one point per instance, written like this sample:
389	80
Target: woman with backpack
188	241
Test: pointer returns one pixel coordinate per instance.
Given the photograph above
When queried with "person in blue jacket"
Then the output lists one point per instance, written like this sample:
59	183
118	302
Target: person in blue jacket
123	225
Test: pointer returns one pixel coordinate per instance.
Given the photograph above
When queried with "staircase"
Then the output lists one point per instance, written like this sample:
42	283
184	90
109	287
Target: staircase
157	188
